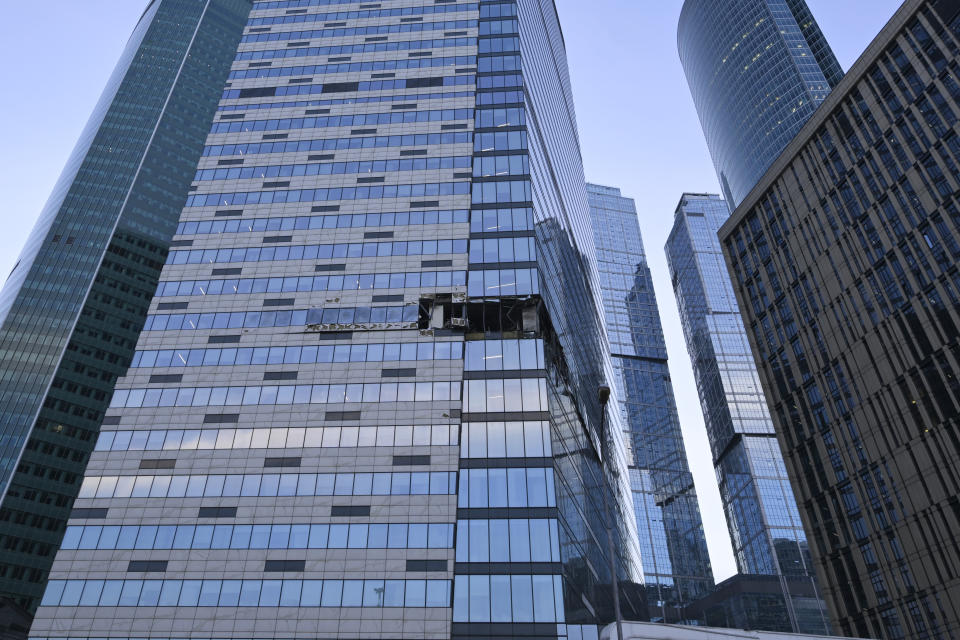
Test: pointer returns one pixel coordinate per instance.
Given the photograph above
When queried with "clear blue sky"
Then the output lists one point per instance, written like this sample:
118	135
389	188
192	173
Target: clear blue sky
638	131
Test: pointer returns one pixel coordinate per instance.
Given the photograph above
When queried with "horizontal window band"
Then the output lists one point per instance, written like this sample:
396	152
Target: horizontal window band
226	255
394	316
497	542
375	29
248	593
529	394
485	206
505	463
504	513
440	95
509	416
442	435
399	191
490	442
532	630
347	87
305	284
494	266
402	45
508	568
267	485
397	535
349	511
492	354
338	144
494	375
411	461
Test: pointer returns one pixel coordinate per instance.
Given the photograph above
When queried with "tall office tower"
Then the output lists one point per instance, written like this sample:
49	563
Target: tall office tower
844	259
365	401
758	501
676	566
757	69
73	305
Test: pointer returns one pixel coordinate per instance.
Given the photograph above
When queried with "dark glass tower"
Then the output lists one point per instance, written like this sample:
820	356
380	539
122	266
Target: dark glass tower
73	306
844	262
761	512
676	566
757	69
364	404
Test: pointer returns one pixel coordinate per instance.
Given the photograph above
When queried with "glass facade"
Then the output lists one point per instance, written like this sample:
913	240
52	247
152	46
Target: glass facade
364	404
73	305
758	500
757	69
673	548
845	267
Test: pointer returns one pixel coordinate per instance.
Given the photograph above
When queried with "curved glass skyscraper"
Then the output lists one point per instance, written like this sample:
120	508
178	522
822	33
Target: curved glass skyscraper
757	70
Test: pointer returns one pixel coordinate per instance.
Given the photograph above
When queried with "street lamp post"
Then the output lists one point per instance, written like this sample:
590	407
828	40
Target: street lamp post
603	395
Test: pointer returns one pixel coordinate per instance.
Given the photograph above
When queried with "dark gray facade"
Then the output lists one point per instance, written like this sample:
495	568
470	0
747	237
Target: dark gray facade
844	259
676	566
757	69
364	403
72	308
765	527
